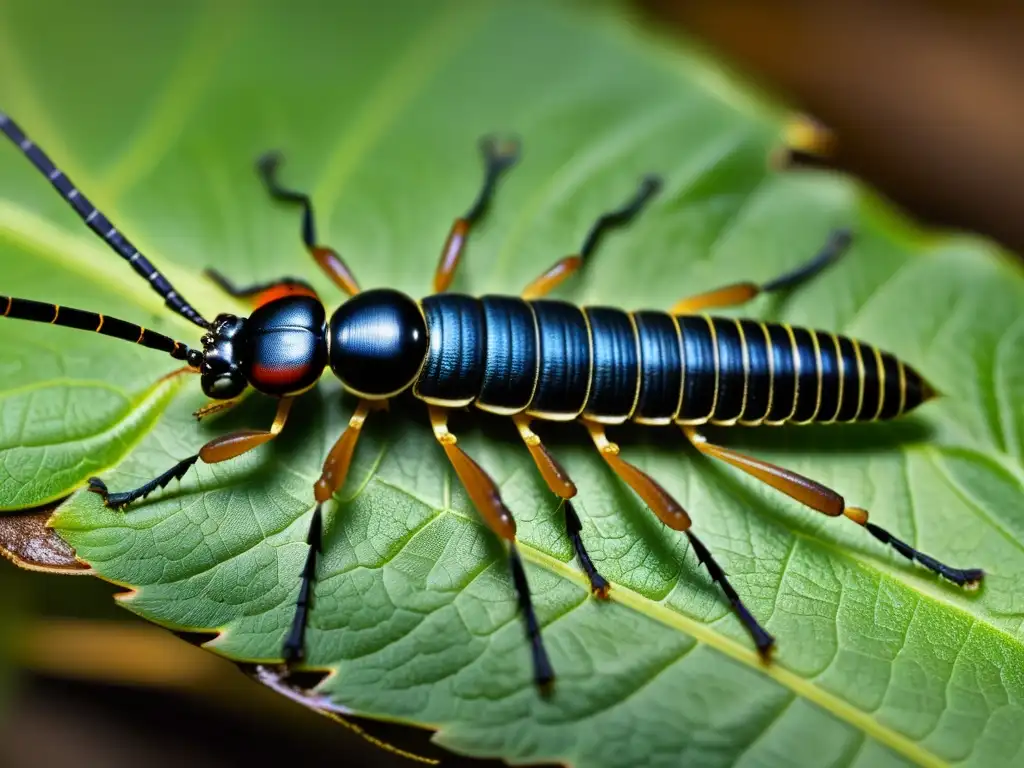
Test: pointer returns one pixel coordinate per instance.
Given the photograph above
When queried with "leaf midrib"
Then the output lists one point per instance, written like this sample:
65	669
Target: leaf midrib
705	633
737	651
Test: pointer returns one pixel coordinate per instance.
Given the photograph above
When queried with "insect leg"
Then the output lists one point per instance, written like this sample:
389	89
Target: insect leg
327	258
331	479
828	502
562	486
215	406
618	217
674	516
262	293
294	647
217	450
487	500
740	293
499	156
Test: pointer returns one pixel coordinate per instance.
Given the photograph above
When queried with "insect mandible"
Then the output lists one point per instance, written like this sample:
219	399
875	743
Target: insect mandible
525	357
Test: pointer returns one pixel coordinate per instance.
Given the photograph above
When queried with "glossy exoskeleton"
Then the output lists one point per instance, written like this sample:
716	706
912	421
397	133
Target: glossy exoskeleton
526	357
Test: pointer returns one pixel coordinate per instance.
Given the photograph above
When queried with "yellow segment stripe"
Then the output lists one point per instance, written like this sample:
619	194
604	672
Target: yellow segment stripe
715	363
861	376
881	382
745	362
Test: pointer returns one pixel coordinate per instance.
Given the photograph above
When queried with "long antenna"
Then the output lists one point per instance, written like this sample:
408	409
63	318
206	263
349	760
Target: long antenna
99	223
55	314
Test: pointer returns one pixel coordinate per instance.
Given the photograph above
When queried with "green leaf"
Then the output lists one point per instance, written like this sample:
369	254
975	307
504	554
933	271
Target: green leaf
158	112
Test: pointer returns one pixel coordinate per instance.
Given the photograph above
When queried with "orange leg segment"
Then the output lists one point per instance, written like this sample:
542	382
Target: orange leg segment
478	484
483	492
335	268
674	516
499	156
646	487
825	500
730	296
555	276
340	458
554	475
230	446
561	485
552	277
326	258
331	479
740	293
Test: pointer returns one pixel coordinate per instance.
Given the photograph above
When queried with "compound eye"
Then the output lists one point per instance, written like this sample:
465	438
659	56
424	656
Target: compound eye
223	387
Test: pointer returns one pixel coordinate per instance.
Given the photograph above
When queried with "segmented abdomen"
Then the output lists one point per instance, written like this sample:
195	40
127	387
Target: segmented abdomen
559	361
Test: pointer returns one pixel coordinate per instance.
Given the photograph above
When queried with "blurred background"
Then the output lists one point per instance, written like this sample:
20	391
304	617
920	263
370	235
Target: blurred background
923	95
924	99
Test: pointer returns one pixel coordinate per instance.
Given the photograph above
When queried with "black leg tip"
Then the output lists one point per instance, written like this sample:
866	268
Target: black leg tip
293	653
841	238
268	162
503	151
543	672
971	578
546	687
651	184
599	586
545	683
765	646
212	274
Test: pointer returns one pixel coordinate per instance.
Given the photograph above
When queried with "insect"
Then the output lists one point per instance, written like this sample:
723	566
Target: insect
525	357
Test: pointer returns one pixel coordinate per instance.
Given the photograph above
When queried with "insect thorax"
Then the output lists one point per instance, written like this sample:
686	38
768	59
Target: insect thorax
378	341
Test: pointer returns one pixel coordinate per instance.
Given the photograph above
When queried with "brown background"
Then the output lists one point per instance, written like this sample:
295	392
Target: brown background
926	98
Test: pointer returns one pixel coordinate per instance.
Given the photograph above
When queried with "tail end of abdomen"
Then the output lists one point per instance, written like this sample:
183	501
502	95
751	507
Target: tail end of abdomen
822	377
902	388
918	389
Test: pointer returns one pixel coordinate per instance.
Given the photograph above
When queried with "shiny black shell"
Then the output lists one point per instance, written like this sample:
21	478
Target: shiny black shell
558	361
454	369
284	350
378	342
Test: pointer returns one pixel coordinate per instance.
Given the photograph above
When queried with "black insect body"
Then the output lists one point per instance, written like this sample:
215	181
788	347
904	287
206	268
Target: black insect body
525	357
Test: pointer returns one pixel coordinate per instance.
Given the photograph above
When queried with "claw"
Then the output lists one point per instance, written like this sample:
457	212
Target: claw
599	586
